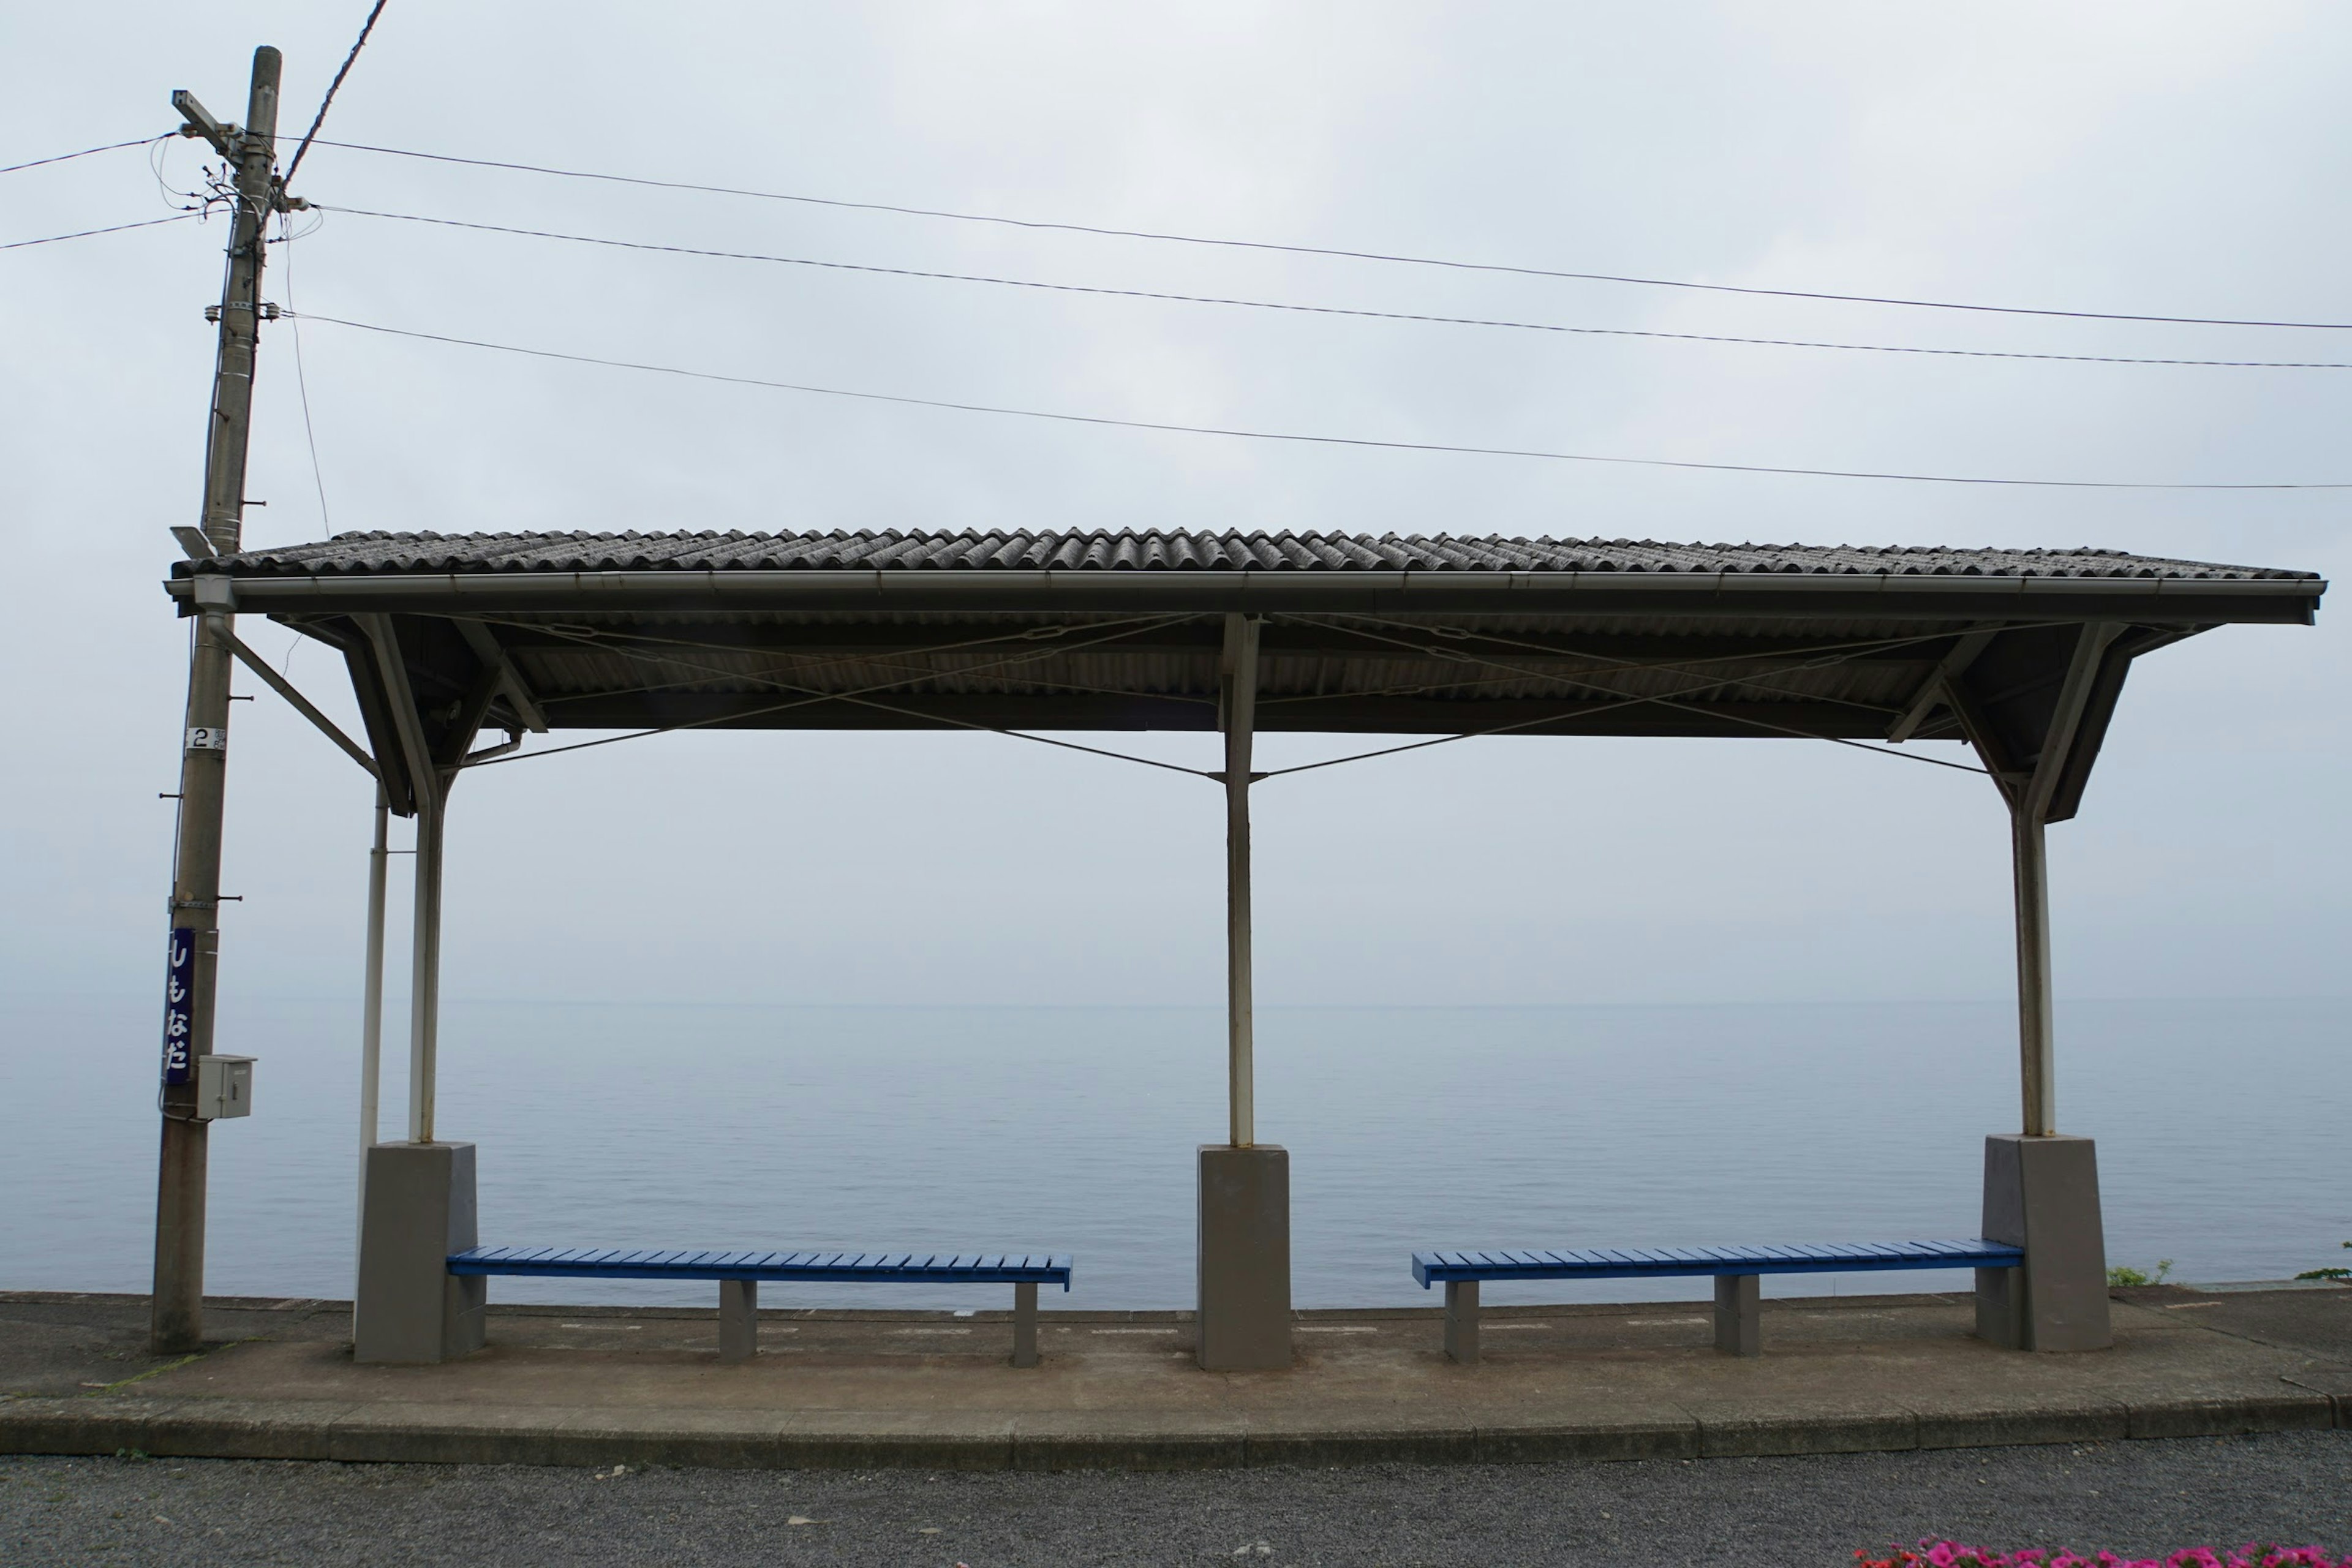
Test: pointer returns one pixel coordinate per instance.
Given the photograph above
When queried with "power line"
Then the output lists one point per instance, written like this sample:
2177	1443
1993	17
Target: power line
320	118
86	233
1392	258
69	157
1306	440
302	382
1310	309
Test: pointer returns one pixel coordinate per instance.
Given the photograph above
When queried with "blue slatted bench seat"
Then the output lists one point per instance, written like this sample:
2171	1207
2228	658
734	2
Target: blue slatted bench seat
739	1274
1739	1312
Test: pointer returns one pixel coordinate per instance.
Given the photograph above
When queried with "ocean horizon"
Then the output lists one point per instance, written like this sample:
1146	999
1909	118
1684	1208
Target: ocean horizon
1072	1128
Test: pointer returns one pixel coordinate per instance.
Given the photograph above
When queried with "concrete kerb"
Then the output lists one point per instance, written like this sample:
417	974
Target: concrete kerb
205	1428
168	1428
1740	1432
2336	1385
1998	1426
2287	1410
1675	1436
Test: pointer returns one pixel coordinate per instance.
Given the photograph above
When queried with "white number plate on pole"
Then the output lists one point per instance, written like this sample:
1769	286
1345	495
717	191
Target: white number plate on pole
207	738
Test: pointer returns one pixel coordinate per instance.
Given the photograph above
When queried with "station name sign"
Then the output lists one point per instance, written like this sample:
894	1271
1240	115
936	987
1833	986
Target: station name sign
179	1003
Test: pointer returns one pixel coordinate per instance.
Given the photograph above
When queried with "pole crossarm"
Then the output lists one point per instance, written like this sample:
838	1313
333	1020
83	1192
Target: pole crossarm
302	705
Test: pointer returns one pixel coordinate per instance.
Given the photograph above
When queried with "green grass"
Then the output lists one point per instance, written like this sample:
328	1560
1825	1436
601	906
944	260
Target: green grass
2121	1275
2343	1274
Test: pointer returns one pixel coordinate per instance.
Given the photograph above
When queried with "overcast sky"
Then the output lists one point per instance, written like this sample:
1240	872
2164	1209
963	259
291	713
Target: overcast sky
2171	158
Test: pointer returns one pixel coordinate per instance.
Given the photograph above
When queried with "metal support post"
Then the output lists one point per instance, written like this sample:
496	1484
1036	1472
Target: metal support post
2041	1188
1240	714
176	1313
2029	820
1243	1318
425	983
429	787
372	1001
2036	1035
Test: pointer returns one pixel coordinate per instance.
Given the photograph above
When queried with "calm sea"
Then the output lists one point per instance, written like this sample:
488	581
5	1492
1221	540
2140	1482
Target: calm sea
2220	1125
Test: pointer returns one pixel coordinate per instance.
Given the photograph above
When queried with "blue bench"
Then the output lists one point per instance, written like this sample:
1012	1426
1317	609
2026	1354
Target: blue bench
739	1274
1738	1310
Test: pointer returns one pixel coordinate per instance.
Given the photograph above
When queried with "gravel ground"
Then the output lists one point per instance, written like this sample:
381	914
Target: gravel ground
2144	1498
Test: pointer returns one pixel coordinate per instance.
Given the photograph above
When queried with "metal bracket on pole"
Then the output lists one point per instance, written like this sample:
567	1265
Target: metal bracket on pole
200	122
1238	711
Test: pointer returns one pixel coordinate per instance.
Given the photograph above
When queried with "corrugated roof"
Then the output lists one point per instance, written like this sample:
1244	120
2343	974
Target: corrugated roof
1129	550
1127	630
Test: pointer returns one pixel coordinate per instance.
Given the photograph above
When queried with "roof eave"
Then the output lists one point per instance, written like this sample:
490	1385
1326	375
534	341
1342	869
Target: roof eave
2204	601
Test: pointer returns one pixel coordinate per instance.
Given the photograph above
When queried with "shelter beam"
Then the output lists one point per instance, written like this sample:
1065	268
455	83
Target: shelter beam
302	704
1935	690
493	654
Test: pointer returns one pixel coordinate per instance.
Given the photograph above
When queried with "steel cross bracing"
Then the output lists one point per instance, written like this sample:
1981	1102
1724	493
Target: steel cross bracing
931	677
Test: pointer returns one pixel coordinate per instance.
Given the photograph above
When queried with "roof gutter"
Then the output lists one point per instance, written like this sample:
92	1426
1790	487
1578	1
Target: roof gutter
2199	600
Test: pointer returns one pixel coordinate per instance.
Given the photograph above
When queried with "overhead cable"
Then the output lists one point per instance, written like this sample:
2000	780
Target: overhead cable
325	103
1308	440
1310	309
302	382
69	157
1394	257
86	233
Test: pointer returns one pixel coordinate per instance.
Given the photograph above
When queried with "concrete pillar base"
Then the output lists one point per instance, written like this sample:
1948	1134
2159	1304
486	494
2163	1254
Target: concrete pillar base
420	1209
1244	1257
2042	1194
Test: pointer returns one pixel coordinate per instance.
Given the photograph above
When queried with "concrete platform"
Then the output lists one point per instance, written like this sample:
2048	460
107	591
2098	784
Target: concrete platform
599	1386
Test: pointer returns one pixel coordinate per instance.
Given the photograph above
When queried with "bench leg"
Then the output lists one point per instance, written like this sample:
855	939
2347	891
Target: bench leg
739	1319
1024	1323
1462	1320
1738	1314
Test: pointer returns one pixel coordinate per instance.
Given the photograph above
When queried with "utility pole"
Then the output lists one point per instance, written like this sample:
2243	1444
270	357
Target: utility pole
178	1321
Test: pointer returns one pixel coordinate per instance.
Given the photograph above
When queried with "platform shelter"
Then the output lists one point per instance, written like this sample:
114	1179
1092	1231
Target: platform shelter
2014	657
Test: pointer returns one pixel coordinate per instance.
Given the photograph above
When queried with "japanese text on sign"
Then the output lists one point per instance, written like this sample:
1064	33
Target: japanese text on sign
179	1003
